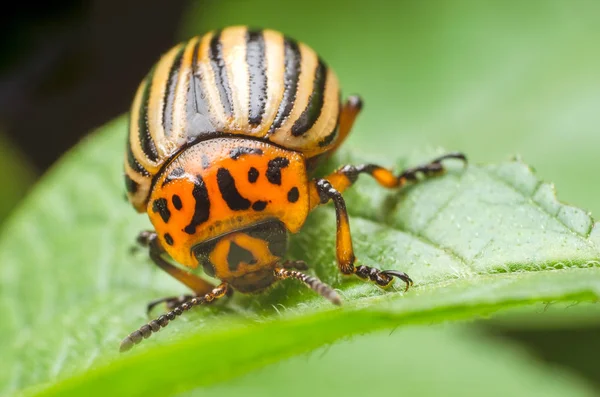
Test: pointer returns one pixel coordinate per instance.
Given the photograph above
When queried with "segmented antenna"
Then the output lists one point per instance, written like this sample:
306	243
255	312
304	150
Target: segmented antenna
314	283
146	330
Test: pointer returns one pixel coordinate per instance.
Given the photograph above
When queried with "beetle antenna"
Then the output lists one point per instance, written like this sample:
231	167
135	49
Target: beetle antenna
146	330
314	283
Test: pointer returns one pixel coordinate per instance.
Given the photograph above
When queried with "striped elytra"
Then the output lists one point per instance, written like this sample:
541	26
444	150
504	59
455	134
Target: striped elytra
256	83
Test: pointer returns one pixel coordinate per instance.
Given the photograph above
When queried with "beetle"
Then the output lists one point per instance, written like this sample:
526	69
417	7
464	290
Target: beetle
224	133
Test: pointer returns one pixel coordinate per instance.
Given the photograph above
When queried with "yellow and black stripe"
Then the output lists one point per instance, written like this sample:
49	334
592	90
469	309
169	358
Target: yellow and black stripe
257	83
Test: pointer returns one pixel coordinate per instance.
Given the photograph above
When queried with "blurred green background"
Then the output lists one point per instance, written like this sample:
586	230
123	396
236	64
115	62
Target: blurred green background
491	79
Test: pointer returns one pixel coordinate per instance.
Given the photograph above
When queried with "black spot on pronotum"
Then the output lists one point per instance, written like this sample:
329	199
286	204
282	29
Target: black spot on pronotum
177	202
168	239
274	169
259	205
252	175
160	206
293	195
238	151
176	173
202	207
232	197
238	255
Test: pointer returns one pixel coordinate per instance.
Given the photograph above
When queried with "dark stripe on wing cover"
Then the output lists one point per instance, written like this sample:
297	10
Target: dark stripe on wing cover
202	207
329	137
133	163
257	75
146	141
292	59
131	185
169	97
315	103
218	66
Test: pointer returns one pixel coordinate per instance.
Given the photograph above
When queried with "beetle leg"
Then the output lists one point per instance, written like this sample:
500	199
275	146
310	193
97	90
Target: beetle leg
387	179
333	185
345	177
146	330
344	250
195	283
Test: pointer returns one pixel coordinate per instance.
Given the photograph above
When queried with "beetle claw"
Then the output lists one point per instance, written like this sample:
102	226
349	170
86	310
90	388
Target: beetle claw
401	275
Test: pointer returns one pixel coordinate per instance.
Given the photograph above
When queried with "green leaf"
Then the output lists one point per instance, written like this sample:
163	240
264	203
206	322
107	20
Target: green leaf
491	79
422	360
476	240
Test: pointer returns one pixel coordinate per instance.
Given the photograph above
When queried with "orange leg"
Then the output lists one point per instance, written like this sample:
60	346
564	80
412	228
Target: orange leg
195	283
345	177
331	188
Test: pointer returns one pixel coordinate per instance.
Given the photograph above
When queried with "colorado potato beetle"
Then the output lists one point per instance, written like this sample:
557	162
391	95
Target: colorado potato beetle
224	134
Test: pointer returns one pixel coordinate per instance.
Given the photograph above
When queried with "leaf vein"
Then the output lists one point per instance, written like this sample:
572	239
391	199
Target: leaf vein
533	203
